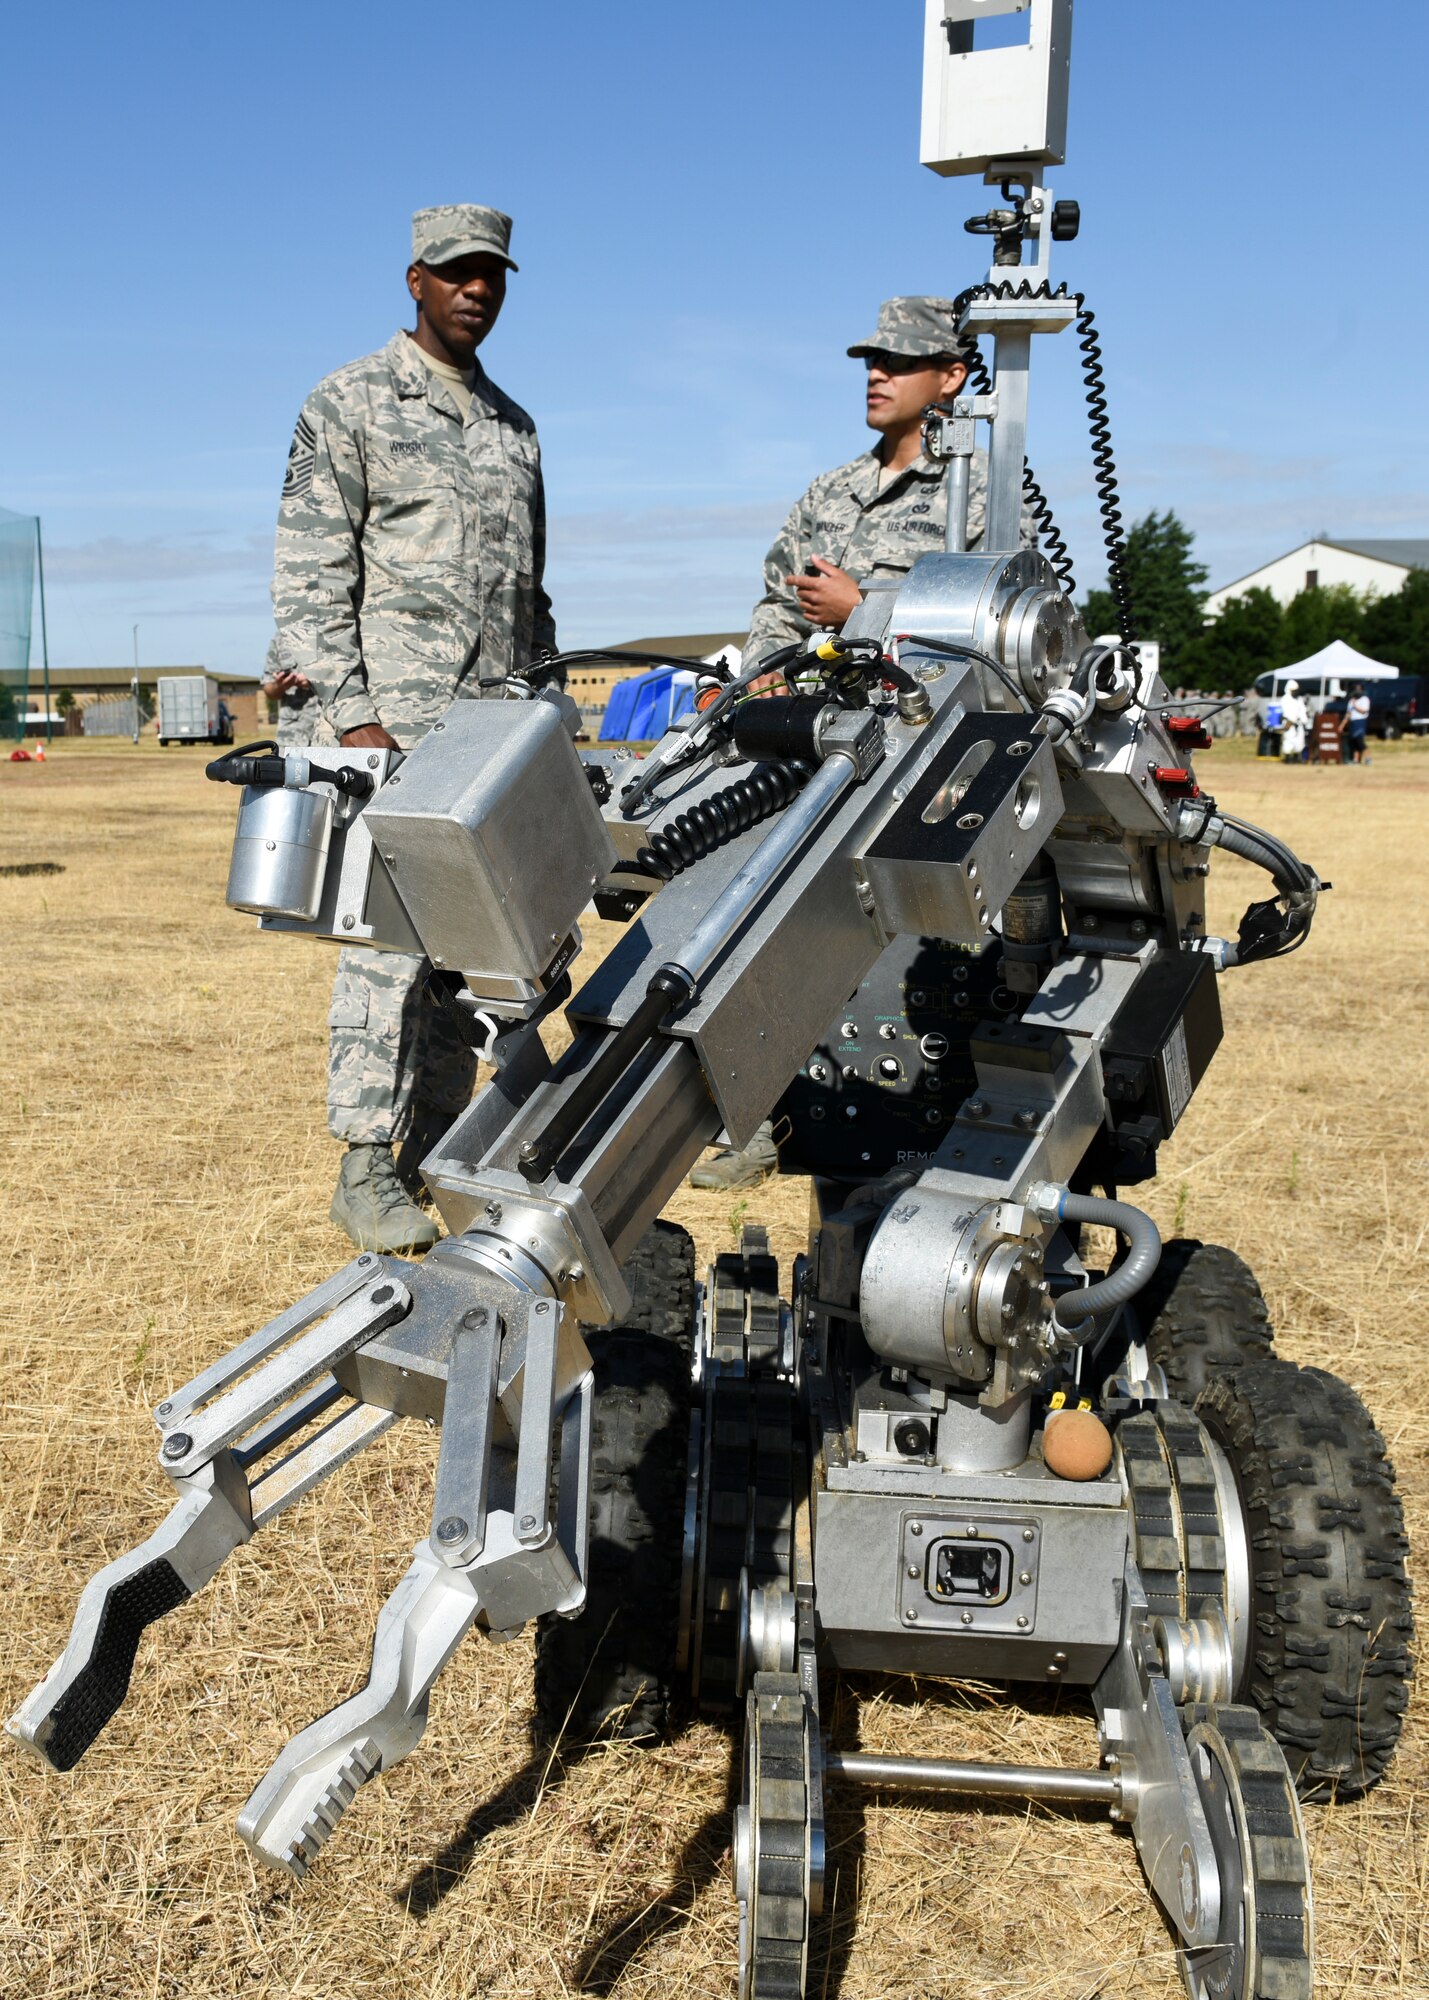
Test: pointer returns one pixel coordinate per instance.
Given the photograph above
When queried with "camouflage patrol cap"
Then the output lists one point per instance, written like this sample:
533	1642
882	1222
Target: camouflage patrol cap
924	327
460	229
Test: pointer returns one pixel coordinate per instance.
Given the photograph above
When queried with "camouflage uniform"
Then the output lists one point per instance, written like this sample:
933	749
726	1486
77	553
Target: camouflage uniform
845	517
870	531
408	571
300	716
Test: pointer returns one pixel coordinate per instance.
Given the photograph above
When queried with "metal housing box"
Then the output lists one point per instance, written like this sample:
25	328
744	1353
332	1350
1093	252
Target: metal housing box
986	104
493	838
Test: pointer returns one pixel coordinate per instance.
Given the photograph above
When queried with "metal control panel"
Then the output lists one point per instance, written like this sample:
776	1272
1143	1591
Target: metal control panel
961	1575
889	1073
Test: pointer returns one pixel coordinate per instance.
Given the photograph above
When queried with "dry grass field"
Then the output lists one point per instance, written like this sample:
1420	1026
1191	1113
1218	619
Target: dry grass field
166	1175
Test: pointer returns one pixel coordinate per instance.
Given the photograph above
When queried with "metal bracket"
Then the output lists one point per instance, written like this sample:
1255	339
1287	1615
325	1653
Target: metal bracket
1139	1727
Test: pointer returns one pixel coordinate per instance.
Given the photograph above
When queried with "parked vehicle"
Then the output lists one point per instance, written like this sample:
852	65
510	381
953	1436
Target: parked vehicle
1396	708
191	710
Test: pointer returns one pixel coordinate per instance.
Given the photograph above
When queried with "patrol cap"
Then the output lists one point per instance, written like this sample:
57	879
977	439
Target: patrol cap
460	229
927	328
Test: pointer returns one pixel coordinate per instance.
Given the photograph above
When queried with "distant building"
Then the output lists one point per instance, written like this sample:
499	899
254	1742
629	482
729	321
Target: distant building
1380	566
90	684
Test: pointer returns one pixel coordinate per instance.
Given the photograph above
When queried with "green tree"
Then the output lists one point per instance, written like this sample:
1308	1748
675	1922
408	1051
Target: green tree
1396	629
1166	585
1314	617
1240	642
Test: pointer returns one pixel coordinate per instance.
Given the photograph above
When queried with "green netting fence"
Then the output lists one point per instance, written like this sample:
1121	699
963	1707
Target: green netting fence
18	544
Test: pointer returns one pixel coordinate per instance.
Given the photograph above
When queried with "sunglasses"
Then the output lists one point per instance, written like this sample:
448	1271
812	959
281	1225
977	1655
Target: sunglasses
902	364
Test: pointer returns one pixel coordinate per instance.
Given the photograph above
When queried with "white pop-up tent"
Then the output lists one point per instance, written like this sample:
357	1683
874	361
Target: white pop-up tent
1329	672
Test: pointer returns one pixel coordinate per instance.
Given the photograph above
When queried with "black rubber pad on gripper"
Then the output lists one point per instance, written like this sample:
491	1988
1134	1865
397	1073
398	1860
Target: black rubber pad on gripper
100	1686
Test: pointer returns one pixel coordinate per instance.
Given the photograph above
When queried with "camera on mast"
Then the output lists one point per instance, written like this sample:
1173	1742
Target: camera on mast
994	95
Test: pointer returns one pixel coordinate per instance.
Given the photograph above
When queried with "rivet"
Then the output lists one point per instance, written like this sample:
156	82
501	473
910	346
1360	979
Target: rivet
453	1529
910	1617
1021	1623
915	1527
178	1446
967	1618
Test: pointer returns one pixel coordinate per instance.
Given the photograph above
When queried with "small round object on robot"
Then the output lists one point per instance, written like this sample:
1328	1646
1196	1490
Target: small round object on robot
1076	1444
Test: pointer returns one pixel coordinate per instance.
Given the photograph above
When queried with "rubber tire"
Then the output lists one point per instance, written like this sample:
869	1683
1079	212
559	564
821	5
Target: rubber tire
1328	1663
1204	1315
660	1272
610	1671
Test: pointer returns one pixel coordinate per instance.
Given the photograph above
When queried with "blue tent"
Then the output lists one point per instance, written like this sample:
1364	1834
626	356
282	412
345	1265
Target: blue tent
642	708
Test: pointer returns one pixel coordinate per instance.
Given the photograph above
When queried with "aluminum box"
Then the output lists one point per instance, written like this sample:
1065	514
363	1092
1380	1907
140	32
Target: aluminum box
493	838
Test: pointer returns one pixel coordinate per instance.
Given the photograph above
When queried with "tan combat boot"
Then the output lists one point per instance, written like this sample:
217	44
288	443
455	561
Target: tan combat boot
374	1208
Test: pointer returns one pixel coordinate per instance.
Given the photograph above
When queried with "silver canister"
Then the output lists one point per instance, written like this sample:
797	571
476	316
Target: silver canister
280	849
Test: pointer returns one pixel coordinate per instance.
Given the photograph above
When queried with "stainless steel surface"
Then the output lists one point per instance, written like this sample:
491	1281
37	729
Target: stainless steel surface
358	904
493	837
468	1435
280	850
757	876
996	1781
294	1319
867	1541
357	1319
1141	1737
208	1521
1236	1540
1196	1654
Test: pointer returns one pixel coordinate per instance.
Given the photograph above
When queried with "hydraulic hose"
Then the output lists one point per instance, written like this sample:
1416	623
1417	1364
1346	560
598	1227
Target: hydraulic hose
1094	1302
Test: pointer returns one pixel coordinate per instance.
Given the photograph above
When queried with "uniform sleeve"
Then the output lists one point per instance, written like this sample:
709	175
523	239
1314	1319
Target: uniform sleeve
777	619
543	626
317	567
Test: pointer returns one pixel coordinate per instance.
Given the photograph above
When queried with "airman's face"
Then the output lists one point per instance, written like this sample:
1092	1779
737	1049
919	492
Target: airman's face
460	300
901	386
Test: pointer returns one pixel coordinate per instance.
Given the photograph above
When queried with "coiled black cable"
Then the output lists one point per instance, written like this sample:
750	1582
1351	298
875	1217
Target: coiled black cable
1104	466
1098	422
691	835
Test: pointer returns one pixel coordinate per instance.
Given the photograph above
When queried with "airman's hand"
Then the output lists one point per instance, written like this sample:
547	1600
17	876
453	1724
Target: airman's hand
284	682
371	736
828	597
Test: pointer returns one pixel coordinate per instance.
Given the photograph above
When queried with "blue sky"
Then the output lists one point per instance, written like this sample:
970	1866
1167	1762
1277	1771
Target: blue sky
208	209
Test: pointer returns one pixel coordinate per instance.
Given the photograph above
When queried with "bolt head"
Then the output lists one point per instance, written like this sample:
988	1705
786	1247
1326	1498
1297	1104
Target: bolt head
528	1150
349	922
452	1529
163	1409
178	1446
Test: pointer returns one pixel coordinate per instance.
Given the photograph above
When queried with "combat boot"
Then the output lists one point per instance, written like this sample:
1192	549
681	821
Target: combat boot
374	1208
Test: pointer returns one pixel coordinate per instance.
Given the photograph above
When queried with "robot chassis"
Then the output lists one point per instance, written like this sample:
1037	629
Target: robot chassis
986	830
